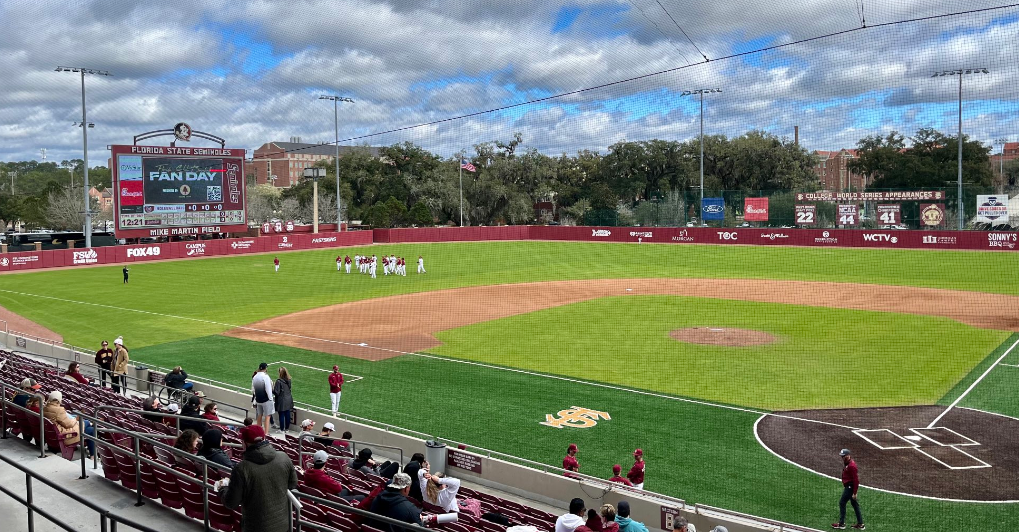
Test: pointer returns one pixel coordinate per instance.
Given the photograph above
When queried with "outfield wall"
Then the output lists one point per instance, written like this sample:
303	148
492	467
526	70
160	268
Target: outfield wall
830	238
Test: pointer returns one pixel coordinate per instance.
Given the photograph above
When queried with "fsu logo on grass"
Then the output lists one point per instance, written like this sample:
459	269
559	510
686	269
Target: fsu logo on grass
575	417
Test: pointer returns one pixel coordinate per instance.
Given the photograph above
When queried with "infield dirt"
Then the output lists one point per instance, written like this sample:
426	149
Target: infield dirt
391	326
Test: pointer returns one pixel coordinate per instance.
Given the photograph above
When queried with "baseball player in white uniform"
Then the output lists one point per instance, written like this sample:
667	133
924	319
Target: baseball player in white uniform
372	265
421	264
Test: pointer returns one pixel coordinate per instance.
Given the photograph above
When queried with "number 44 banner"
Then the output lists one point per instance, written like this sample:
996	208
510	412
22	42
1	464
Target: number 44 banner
849	214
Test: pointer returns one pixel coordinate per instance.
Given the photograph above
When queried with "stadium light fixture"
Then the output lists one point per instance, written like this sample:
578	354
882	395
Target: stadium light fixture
84	140
701	92
336	124
960	72
314	173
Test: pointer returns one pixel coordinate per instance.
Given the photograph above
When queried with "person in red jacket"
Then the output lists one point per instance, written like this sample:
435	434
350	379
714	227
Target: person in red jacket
570	462
850	484
317	478
616	469
636	474
335	388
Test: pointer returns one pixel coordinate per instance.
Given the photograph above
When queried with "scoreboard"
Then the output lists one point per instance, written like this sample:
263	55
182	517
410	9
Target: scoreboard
171	191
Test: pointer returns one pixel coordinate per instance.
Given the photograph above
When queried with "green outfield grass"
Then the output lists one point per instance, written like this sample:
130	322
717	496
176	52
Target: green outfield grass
820	353
244	289
700	453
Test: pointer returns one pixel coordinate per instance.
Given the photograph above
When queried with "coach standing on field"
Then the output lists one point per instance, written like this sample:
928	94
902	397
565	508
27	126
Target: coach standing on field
850	484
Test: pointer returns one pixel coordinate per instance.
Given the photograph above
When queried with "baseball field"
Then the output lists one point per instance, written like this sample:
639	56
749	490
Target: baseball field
741	371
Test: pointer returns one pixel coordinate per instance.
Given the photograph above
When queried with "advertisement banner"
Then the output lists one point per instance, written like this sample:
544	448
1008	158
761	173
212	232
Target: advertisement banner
900	195
849	214
932	214
806	214
755	209
889	214
713	209
992	209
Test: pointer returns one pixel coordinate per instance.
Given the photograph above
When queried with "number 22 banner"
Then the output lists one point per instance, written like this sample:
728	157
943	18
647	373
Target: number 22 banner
806	214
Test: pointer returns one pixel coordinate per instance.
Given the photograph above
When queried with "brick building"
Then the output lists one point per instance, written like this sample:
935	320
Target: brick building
833	171
287	160
104	197
1008	154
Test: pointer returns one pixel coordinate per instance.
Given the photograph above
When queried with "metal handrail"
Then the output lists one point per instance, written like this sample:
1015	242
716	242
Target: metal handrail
105	516
345	509
94	366
4	404
300	445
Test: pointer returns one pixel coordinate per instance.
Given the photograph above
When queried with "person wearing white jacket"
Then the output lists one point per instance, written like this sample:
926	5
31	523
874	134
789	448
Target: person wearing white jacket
569	522
439	490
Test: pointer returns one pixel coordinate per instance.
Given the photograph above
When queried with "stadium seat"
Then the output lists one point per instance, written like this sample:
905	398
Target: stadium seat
169	493
56	442
111	470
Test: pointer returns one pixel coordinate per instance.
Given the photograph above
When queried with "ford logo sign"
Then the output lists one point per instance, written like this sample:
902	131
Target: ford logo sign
712	209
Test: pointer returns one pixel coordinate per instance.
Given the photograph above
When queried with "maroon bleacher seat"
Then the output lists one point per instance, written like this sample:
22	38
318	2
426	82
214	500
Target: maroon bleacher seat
111	470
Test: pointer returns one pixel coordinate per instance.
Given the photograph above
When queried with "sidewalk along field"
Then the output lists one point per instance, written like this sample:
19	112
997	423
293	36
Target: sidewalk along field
822	357
704	454
240	290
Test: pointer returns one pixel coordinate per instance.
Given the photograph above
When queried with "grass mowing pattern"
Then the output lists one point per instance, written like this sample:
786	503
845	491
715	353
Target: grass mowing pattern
700	453
999	391
824	358
244	289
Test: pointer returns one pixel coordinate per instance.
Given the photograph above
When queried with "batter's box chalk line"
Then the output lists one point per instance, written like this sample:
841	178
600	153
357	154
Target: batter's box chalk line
980	463
906	443
922	432
347	377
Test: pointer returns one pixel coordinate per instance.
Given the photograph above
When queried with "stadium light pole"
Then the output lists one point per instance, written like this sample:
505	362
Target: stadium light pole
1001	162
336	125
960	72
701	93
84	139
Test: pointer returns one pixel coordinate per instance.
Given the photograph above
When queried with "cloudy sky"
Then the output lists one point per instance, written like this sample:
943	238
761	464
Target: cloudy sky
251	70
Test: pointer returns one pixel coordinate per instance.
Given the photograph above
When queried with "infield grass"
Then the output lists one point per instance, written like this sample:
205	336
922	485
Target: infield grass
700	453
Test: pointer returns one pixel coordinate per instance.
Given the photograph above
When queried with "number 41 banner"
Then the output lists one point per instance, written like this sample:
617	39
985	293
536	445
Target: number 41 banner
889	214
849	214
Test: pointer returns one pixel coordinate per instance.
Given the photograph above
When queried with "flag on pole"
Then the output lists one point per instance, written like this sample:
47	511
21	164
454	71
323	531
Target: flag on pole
466	165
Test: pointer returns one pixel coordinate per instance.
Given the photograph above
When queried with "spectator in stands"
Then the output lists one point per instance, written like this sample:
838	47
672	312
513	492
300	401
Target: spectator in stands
67	424
261	386
605	520
348	436
104	359
177	379
366	464
307	429
153	409
284	399
623	519
259	484
719	528
570	462
636	473
393	503
74	374
320	480
174	410
442	491
248	421
119	365
187	442
412	468
211	412
569	522
680	524
212	449
616	470
192	411
327	431
28	388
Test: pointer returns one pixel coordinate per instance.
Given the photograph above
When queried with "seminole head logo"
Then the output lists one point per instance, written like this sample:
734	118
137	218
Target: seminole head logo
182	131
932	215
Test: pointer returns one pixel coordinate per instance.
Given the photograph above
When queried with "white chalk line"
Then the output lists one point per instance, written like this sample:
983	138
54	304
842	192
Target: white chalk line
445	359
974	384
818	473
1008	365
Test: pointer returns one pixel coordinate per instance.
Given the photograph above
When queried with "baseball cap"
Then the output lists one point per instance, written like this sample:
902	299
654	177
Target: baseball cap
638	452
263	365
844	452
623	509
252	434
307	423
172	408
119	340
690	527
55	395
572	447
616	469
199	393
30	384
335	368
329	426
400	481
321	457
719	528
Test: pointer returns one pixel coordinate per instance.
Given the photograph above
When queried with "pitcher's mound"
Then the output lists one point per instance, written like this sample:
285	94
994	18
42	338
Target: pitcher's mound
722	336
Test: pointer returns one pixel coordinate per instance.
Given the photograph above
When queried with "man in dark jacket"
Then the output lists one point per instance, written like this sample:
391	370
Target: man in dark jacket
260	484
212	448
393	503
412	469
194	419
104	359
178	379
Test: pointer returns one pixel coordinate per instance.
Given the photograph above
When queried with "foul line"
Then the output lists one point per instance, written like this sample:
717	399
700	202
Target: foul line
345	375
453	360
974	385
1008	365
